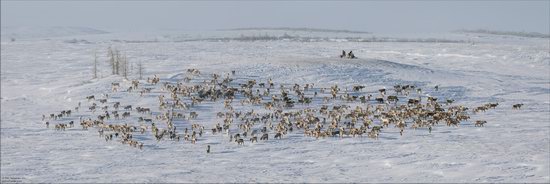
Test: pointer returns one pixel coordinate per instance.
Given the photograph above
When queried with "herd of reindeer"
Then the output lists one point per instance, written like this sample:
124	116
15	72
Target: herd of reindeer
276	110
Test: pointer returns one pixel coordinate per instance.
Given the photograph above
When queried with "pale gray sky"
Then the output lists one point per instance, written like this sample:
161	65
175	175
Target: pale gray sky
373	16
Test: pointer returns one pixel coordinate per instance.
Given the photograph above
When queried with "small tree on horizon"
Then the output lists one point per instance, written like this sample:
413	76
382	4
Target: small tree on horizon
140	70
125	66
117	62
95	64
111	55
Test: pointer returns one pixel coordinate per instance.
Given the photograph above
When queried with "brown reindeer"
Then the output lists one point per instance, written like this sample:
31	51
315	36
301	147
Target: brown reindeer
480	123
254	139
264	137
517	106
240	141
278	135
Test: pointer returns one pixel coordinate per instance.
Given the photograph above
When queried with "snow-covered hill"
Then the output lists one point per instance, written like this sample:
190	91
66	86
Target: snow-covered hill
47	76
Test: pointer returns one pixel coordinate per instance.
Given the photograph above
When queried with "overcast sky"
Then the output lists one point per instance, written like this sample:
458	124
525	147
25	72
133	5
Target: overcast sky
373	16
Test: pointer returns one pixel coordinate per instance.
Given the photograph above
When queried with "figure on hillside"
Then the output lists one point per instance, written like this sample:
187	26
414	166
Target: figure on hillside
351	55
343	54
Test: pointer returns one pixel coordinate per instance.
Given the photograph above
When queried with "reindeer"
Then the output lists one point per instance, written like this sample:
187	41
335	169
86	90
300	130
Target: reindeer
254	139
90	97
480	123
278	135
413	101
373	134
265	136
517	106
492	105
125	114
358	88
478	109
377	128
450	101
115	86
240	141
92	108
116	105
237	136
392	98
194	139
193	71
193	115
143	110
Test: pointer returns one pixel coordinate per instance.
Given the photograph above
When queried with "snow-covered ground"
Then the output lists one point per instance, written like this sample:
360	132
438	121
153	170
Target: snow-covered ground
43	76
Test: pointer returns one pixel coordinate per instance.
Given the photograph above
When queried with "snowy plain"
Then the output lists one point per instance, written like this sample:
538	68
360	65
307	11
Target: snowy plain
47	75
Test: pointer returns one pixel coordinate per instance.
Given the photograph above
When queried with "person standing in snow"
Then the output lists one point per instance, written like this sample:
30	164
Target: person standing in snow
350	55
343	54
